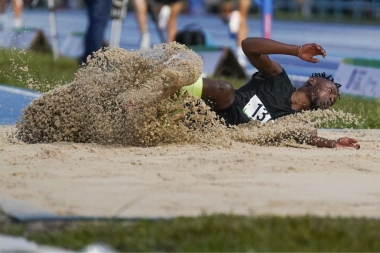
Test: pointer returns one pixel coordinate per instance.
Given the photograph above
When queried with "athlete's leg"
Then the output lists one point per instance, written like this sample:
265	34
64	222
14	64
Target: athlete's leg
243	8
225	10
17	11
217	94
141	13
98	12
2	6
176	9
17	8
3	16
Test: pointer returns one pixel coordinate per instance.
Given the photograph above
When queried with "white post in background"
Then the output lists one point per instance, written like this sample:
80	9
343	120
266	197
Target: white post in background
53	29
118	14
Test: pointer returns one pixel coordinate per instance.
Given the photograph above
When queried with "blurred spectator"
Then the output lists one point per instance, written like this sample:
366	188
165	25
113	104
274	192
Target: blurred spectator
167	18
141	7
98	15
17	11
176	6
237	22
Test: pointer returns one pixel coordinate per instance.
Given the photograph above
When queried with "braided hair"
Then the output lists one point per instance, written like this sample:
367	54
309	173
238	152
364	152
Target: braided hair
330	78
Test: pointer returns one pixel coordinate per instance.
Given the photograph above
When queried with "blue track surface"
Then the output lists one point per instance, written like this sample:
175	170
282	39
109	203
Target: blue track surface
339	40
12	101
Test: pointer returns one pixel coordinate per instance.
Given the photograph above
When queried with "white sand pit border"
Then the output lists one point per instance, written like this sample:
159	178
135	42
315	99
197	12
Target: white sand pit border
187	180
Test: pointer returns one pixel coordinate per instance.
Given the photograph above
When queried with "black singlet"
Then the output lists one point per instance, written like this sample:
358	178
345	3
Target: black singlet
260	99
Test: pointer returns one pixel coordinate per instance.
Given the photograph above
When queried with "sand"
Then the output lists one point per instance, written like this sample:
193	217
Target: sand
188	180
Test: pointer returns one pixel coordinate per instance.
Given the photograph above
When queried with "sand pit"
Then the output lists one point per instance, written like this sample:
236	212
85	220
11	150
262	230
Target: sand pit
175	180
123	140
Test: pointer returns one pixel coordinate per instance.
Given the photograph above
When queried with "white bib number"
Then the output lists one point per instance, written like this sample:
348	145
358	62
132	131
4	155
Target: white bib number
255	110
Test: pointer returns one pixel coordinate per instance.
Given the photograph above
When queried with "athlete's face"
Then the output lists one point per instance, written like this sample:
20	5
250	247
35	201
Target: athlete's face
324	93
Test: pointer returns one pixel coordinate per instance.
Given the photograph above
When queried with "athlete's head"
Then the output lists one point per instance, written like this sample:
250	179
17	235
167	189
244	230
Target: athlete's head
323	91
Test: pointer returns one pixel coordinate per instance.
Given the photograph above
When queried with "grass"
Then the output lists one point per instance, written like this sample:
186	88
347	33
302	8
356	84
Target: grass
366	109
208	233
20	68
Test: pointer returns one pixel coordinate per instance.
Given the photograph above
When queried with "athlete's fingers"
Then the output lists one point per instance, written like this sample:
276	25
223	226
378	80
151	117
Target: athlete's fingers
314	60
352	140
321	51
354	143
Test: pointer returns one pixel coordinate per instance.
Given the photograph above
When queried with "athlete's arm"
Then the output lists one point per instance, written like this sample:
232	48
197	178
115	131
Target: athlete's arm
257	50
321	142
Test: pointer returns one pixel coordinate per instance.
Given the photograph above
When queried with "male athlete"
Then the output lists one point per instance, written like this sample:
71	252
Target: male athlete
270	94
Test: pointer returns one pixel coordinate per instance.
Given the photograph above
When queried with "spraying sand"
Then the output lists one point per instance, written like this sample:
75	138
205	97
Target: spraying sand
132	98
121	140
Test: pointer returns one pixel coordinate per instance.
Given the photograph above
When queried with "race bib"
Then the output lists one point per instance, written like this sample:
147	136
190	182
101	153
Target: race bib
255	110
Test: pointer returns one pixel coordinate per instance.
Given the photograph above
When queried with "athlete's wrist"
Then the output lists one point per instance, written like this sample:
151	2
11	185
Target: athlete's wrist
299	48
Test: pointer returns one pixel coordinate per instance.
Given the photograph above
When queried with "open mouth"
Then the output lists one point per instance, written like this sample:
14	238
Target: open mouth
324	105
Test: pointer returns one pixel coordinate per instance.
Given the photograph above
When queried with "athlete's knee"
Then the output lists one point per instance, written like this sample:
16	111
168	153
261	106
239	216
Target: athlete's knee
227	92
219	94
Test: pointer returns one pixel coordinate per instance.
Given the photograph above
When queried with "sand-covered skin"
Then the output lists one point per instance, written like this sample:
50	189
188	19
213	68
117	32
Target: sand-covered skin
174	180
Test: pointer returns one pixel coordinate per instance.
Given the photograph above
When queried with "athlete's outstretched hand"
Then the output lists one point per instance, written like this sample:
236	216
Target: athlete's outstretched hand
346	142
308	51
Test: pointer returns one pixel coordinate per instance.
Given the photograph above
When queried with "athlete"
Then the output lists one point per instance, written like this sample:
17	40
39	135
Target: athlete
269	94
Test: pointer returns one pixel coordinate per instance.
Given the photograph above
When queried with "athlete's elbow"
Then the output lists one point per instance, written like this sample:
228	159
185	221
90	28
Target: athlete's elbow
245	44
250	46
